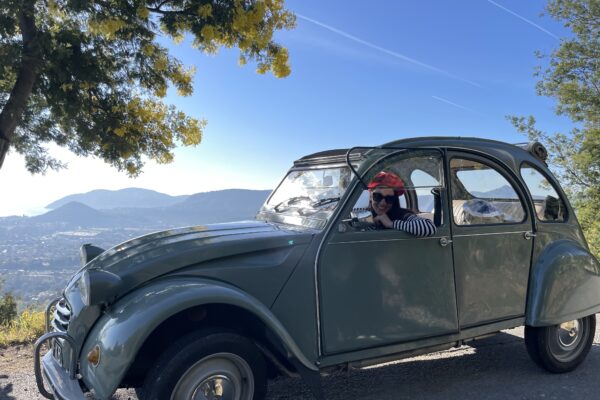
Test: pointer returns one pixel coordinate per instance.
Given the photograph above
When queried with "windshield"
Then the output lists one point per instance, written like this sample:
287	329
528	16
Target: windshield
309	193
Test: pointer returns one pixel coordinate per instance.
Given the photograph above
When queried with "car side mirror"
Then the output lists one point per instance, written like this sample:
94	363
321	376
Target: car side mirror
361	216
359	220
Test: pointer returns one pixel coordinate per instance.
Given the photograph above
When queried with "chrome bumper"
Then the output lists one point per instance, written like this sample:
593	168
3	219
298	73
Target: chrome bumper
63	387
63	382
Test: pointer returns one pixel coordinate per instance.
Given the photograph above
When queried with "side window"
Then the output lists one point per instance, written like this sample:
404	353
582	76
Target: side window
423	183
481	195
549	206
422	175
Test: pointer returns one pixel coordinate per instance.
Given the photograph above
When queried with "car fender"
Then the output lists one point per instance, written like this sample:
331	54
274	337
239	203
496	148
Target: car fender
123	329
564	285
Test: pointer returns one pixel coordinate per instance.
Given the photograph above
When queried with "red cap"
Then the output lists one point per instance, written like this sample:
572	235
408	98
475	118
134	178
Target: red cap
387	179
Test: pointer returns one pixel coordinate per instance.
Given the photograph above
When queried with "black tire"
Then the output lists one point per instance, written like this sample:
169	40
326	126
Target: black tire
561	348
218	362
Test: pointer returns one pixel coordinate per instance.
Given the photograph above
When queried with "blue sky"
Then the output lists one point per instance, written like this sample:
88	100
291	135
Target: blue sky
363	73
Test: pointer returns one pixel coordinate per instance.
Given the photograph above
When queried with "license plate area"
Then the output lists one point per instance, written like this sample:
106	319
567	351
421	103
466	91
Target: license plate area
57	351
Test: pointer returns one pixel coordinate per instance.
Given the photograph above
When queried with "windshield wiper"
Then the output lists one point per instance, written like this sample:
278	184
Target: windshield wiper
324	201
290	201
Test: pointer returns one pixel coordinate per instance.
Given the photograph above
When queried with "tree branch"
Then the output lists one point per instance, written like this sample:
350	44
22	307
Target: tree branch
30	62
158	9
574	175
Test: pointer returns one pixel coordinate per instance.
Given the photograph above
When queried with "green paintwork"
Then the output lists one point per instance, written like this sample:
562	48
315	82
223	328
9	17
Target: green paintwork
298	295
238	251
492	270
491	263
398	287
121	332
332	297
564	283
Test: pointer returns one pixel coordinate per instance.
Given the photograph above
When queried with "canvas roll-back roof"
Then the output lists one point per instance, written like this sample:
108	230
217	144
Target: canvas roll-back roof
510	154
327	157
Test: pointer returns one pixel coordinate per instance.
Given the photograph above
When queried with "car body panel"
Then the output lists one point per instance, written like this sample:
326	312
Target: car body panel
401	350
399	287
565	284
143	259
121	332
491	282
298	295
236	250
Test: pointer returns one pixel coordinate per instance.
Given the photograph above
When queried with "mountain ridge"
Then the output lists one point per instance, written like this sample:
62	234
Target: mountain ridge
200	208
121	198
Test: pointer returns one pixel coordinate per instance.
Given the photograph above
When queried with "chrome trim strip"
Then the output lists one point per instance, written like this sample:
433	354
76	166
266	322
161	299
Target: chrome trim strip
48	308
387	240
491	233
63	310
59	317
55	327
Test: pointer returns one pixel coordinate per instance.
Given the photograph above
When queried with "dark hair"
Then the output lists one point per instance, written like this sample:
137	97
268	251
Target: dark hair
396	212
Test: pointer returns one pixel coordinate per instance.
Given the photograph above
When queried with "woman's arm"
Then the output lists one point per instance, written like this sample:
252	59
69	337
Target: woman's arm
414	225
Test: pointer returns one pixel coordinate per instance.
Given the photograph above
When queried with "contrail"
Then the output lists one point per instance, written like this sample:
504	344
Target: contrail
524	19
451	103
386	51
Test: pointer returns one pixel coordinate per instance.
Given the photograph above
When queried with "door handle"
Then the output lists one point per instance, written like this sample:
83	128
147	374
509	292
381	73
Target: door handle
445	241
529	235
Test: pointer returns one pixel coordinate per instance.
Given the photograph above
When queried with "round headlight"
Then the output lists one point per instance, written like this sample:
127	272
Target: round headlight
85	288
98	287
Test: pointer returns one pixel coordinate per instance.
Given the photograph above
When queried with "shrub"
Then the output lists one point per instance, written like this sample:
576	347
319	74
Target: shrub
8	309
26	328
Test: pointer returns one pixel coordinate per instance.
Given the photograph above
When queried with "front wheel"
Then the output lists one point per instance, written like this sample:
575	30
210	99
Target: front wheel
205	367
561	348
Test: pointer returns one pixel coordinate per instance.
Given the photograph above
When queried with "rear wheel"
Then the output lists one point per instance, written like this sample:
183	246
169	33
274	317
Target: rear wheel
206	367
561	348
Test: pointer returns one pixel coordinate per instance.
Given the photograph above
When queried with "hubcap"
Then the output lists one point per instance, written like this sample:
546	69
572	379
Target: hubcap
215	388
568	333
221	376
567	340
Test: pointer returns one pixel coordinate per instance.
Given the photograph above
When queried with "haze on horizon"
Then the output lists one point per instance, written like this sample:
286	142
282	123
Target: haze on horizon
410	69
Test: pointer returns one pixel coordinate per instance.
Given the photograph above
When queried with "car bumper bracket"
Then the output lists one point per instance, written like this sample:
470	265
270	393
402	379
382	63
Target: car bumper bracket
64	383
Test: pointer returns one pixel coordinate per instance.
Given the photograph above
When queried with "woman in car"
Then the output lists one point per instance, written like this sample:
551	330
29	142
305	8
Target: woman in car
384	205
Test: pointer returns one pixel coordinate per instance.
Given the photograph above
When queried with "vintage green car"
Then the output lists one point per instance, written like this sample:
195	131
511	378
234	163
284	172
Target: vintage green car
312	285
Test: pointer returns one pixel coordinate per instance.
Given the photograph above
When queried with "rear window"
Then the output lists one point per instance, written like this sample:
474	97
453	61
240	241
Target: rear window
549	206
481	195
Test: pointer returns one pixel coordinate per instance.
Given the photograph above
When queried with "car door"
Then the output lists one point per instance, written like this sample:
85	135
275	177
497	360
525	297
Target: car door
378	287
491	240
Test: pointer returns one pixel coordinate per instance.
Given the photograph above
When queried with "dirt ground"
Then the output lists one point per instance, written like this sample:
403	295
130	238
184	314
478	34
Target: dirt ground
496	368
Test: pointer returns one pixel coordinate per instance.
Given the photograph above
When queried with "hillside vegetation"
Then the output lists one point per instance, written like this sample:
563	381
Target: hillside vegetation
26	328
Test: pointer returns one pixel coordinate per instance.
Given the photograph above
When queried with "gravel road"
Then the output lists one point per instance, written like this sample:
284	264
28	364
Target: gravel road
493	368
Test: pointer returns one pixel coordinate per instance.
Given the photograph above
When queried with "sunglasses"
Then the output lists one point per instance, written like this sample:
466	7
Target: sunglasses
377	197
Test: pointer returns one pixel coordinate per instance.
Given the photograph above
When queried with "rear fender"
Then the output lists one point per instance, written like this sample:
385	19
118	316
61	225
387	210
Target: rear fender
564	285
124	328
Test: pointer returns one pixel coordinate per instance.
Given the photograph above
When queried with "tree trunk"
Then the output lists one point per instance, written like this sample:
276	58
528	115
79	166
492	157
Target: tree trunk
30	63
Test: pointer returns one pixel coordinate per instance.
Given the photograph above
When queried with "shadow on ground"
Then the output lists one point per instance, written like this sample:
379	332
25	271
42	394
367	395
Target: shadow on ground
494	368
6	389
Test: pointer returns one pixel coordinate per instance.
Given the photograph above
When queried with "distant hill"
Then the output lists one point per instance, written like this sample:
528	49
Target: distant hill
502	192
218	206
200	208
124	198
74	214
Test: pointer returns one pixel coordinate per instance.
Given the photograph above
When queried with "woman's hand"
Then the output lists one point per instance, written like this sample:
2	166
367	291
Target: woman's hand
384	220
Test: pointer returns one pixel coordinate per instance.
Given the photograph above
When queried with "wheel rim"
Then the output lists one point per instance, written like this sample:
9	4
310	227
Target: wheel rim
221	376
567	340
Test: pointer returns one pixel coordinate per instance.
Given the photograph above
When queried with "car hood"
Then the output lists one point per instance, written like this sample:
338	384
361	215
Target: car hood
144	258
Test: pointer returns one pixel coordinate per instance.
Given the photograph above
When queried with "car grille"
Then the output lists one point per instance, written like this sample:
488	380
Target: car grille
62	316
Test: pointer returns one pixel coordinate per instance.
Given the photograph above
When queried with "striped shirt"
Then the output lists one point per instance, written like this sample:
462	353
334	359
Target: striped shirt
409	223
